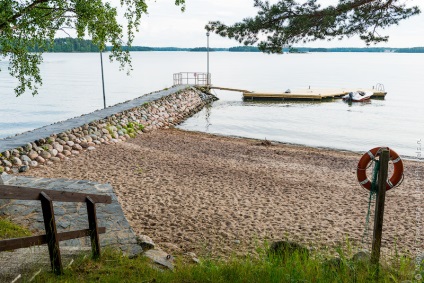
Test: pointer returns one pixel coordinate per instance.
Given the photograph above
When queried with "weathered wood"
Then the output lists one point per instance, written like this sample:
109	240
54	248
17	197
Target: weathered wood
93	227
308	94
24	193
19	243
51	233
379	207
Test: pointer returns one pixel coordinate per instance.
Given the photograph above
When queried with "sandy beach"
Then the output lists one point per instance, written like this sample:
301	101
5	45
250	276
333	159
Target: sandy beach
214	195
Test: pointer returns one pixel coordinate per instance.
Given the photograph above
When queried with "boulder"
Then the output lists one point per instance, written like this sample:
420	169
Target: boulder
145	242
160	257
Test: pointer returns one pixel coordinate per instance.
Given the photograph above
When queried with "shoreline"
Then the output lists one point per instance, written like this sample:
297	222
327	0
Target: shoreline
404	157
212	194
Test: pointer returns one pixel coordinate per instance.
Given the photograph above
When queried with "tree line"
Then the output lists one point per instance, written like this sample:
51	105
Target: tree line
80	45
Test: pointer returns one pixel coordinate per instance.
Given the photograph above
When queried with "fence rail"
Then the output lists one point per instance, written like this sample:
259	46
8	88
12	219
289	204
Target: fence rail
52	237
192	78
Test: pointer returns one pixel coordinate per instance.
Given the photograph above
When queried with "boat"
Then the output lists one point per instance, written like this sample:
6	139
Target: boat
358	96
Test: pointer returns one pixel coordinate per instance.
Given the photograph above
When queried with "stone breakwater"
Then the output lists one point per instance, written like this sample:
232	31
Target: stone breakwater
165	112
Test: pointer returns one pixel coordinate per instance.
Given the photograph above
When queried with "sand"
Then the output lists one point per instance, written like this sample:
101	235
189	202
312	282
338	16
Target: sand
214	195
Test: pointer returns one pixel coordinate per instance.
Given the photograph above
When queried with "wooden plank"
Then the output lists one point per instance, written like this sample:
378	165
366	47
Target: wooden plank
379	206
24	193
51	233
93	227
230	89
19	243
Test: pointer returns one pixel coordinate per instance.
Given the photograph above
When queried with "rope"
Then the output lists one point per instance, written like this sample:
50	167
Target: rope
373	194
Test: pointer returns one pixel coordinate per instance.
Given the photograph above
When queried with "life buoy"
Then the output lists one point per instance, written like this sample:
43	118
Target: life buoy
361	172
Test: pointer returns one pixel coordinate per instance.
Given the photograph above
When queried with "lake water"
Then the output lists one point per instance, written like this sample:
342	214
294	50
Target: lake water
72	86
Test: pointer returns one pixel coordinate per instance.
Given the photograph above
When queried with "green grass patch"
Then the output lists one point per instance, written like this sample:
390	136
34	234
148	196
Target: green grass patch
9	230
293	267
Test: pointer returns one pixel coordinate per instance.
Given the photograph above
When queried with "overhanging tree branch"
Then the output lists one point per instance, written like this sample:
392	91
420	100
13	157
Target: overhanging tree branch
288	22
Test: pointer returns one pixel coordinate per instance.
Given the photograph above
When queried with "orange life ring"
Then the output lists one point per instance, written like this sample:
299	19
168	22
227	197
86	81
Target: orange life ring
361	172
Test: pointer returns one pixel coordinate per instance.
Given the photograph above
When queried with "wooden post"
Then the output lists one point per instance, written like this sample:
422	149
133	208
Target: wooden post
51	233
379	206
93	227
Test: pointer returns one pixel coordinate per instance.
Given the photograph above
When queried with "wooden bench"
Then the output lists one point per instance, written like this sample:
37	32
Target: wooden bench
52	238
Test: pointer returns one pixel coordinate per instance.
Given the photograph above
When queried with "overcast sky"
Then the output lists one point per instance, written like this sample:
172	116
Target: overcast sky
166	25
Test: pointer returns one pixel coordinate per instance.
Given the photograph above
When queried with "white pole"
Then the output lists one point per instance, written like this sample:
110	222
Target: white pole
207	74
103	80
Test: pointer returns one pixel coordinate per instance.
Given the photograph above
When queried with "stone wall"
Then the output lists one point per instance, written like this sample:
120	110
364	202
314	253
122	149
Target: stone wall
165	112
170	109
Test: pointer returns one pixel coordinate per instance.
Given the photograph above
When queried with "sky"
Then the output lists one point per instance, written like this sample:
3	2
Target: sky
166	25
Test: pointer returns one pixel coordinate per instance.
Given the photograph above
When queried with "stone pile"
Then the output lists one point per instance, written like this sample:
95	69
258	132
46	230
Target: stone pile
162	113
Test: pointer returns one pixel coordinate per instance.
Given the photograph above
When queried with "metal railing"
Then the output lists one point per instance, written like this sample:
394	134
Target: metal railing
192	78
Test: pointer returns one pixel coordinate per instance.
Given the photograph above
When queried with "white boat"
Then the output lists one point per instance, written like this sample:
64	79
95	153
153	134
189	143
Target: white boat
358	96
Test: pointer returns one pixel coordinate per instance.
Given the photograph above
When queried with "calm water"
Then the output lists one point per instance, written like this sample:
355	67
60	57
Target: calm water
72	87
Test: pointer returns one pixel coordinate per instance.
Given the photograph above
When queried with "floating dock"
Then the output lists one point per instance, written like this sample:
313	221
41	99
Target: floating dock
303	94
310	94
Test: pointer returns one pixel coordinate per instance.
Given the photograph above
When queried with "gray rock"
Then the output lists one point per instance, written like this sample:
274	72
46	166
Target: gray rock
160	257
7	163
33	163
24	168
25	158
70	143
361	256
53	152
6	154
58	147
145	242
45	155
16	161
76	147
84	144
90	148
55	159
28	147
32	154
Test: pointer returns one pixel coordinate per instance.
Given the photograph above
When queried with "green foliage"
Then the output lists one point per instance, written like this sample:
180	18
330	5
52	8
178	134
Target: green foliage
293	267
244	49
69	45
32	25
9	230
290	21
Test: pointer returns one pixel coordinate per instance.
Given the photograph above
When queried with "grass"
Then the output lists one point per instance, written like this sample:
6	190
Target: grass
10	230
293	267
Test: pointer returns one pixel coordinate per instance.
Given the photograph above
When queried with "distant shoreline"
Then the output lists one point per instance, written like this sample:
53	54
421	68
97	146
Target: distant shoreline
72	45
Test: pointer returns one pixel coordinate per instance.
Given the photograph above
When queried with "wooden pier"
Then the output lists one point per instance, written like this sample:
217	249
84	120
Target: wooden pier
303	94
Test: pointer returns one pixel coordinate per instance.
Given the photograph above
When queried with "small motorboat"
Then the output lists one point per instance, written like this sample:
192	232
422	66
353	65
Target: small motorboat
358	96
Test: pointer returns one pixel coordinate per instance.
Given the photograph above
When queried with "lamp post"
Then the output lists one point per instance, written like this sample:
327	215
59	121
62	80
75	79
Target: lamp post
103	80
207	73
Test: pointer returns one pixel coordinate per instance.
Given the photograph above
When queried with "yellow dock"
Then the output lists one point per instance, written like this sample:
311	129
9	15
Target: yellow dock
309	94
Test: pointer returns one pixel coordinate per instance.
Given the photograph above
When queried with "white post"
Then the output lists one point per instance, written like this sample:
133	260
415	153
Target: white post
103	80
207	73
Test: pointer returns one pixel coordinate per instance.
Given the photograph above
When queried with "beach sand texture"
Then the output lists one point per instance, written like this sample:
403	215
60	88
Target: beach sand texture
218	195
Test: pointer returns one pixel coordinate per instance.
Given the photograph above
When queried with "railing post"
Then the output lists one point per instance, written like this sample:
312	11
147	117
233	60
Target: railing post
51	233
93	227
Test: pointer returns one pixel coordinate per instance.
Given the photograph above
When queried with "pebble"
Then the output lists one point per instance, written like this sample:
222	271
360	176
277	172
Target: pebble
90	148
